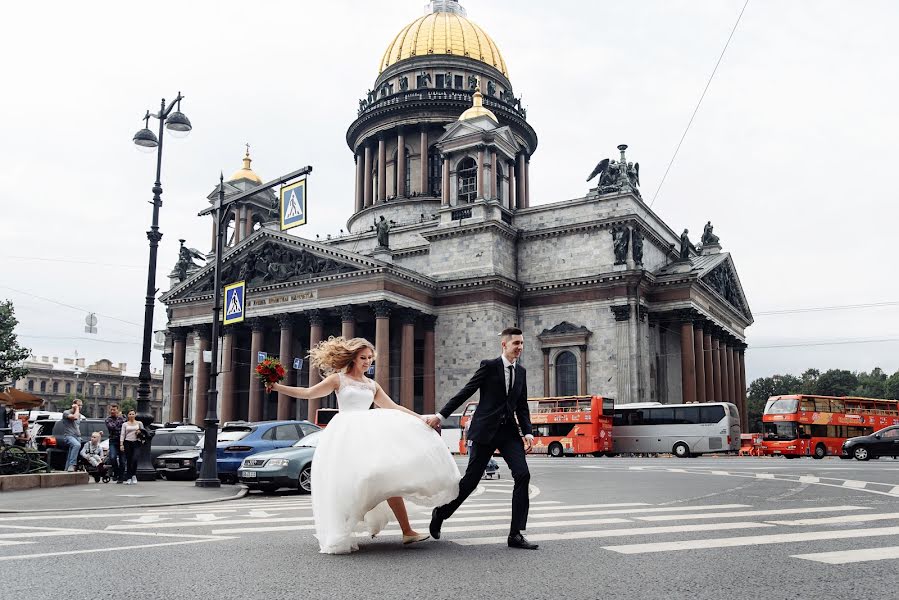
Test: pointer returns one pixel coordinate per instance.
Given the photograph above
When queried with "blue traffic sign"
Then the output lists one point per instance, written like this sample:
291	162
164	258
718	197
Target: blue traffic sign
235	294
261	356
298	364
293	205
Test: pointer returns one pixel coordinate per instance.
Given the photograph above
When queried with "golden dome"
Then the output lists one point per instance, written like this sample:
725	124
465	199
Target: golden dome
443	33
246	172
477	108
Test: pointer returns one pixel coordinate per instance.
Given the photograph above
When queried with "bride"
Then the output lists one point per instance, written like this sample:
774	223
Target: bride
367	461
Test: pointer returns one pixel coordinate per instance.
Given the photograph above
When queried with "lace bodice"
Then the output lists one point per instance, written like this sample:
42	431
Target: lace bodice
355	395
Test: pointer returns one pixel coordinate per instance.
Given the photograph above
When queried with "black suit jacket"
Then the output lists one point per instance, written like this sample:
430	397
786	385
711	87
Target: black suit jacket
490	380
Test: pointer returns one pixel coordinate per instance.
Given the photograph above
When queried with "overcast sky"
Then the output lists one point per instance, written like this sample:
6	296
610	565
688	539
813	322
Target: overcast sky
788	156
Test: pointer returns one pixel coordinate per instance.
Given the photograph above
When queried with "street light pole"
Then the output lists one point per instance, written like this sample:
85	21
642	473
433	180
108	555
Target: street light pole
176	122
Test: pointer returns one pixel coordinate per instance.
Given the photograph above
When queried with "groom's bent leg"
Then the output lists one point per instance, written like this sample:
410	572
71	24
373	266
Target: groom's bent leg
512	450
477	463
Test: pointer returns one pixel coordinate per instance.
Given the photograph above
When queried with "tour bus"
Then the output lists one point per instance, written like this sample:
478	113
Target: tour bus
684	430
567	425
817	426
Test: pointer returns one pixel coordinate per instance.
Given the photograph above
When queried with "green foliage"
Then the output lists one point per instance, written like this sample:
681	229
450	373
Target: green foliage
11	354
872	385
810	380
126	405
892	386
836	382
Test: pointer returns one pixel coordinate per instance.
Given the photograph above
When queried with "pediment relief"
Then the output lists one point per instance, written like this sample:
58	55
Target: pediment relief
564	334
723	279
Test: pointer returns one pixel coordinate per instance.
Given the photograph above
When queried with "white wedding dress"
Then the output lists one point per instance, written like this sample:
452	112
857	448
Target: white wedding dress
366	456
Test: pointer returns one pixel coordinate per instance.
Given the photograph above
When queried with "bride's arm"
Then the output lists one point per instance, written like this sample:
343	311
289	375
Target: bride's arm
319	390
382	400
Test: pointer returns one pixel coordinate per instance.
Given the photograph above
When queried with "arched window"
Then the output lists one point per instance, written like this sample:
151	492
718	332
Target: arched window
435	172
374	180
499	182
68	387
31	385
467	173
43	386
55	387
408	177
566	374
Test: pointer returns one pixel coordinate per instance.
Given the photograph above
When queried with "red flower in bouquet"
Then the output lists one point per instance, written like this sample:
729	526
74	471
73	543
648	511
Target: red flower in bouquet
270	371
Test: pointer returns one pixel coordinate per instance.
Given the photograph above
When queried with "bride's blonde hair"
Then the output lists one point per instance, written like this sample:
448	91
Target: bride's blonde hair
336	353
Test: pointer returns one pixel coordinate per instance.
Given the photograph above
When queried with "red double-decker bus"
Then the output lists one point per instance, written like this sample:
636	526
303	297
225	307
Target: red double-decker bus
565	425
817	426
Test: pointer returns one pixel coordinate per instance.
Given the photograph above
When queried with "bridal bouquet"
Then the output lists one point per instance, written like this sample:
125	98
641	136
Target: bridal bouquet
270	371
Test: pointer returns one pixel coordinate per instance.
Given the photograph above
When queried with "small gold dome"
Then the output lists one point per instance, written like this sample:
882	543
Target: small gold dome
443	33
477	108
246	172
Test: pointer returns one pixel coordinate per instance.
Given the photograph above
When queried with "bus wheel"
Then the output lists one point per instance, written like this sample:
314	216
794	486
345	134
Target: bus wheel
556	450
820	451
681	450
598	454
861	453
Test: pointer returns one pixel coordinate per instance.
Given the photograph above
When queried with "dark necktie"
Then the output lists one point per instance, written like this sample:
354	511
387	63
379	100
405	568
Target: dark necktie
511	380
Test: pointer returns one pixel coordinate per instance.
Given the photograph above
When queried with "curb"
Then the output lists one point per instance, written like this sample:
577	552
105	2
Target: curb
240	494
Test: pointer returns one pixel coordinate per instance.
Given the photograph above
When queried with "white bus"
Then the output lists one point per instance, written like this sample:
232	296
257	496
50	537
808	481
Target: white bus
451	432
682	429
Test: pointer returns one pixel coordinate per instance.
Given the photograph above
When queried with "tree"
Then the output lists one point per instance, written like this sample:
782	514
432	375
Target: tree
810	380
872	385
127	404
836	382
892	387
11	354
763	388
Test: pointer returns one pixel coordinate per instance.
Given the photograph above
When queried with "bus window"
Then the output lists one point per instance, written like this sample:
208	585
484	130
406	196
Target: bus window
782	406
711	414
822	404
780	431
659	416
687	415
608	406
836	406
807	405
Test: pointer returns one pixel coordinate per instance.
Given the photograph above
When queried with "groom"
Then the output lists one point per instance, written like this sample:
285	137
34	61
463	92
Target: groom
503	387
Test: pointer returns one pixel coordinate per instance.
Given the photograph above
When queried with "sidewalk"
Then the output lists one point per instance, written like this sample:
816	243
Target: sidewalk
93	496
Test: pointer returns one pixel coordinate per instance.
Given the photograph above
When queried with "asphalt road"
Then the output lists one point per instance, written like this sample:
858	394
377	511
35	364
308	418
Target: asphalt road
717	528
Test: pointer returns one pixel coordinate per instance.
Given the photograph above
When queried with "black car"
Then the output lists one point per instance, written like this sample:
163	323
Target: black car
178	465
880	443
48	430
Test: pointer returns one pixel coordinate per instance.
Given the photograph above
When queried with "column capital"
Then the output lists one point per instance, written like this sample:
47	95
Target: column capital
229	329
382	309
685	315
286	320
178	334
622	312
315	316
257	324
429	322
168	358
348	313
203	331
643	312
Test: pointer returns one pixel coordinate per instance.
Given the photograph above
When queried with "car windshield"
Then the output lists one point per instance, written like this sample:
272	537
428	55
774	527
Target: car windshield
232	435
309	441
780	431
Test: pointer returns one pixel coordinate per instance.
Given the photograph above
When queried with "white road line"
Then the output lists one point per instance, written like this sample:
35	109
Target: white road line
808	479
13	542
841	519
505	507
589	513
720	473
601	533
753	513
844	557
505	526
764	476
856	485
205	523
497	491
895	491
676	470
754	540
263	529
115	549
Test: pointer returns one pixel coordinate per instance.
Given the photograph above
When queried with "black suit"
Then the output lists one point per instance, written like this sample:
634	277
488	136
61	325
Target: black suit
493	427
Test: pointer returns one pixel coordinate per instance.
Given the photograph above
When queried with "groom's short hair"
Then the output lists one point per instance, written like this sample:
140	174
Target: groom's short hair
509	332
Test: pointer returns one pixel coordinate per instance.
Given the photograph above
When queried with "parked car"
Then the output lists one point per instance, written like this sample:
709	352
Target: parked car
47	430
179	465
283	468
236	441
880	443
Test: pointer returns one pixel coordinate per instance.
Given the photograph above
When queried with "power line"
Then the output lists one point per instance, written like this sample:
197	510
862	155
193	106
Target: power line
787	311
695	110
78	308
75	262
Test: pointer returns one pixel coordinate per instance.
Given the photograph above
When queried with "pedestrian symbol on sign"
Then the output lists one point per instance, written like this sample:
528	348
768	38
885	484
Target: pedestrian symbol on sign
298	364
293	205
235	295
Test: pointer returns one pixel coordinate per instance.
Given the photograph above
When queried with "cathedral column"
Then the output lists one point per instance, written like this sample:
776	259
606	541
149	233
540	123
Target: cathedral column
382	169
731	375
480	185
227	413
709	382
400	166
360	181
284	349
494	165
201	382
249	229
546	392
582	388
744	409
256	393
407	360
366	167
520	177
176	408
423	176
347	322
527	182
716	364
316	333
700	360
382	344
513	192
429	358
624	353
241	229
687	358
446	180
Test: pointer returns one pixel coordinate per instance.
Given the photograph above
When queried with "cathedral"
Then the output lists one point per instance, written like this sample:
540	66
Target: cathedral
445	247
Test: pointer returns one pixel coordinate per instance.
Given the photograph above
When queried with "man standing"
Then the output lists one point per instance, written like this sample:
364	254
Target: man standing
71	433
503	395
114	426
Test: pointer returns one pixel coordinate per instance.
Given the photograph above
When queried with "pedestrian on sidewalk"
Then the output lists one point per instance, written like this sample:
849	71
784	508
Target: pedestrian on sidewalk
71	434
129	444
116	456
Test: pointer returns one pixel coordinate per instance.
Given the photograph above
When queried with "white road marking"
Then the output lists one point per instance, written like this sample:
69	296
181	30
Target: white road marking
261	514
840	519
843	557
720	473
263	529
115	549
808	479
895	491
148	519
14	542
856	485
505	526
752	513
601	533
754	540
590	513
505	507
205	523
764	476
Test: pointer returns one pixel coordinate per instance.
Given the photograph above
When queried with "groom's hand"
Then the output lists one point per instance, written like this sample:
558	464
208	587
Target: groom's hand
528	442
433	421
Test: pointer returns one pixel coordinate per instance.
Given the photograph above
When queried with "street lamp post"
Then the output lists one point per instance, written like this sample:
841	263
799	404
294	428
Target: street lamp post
208	476
179	125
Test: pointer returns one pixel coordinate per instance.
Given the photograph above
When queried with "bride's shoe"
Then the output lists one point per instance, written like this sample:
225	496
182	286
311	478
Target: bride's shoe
411	539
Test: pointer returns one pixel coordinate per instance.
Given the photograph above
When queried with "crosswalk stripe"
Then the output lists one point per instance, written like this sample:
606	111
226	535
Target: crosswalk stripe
207	523
263	529
856	485
895	491
589	513
601	533
841	519
843	557
505	507
809	479
13	542
755	540
505	526
752	513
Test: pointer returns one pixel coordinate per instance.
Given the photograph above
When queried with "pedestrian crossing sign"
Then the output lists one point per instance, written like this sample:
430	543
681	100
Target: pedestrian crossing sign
235	294
293	205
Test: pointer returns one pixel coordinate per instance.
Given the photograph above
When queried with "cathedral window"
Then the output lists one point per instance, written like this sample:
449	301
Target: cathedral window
566	374
441	81
467	173
435	172
457	83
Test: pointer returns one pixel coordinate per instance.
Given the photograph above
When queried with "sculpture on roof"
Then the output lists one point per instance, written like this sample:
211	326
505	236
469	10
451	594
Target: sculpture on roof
621	237
186	264
686	246
617	176
709	238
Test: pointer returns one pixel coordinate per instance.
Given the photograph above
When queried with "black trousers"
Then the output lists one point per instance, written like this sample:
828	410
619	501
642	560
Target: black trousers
131	459
508	442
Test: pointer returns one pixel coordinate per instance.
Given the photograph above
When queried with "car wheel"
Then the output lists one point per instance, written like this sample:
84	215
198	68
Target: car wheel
861	453
820	451
556	450
304	481
681	450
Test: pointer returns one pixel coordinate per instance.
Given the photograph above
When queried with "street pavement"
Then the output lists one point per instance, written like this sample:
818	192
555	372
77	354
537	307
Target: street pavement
608	528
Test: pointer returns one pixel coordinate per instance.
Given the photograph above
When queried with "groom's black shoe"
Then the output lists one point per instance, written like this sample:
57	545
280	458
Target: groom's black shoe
436	524
519	541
